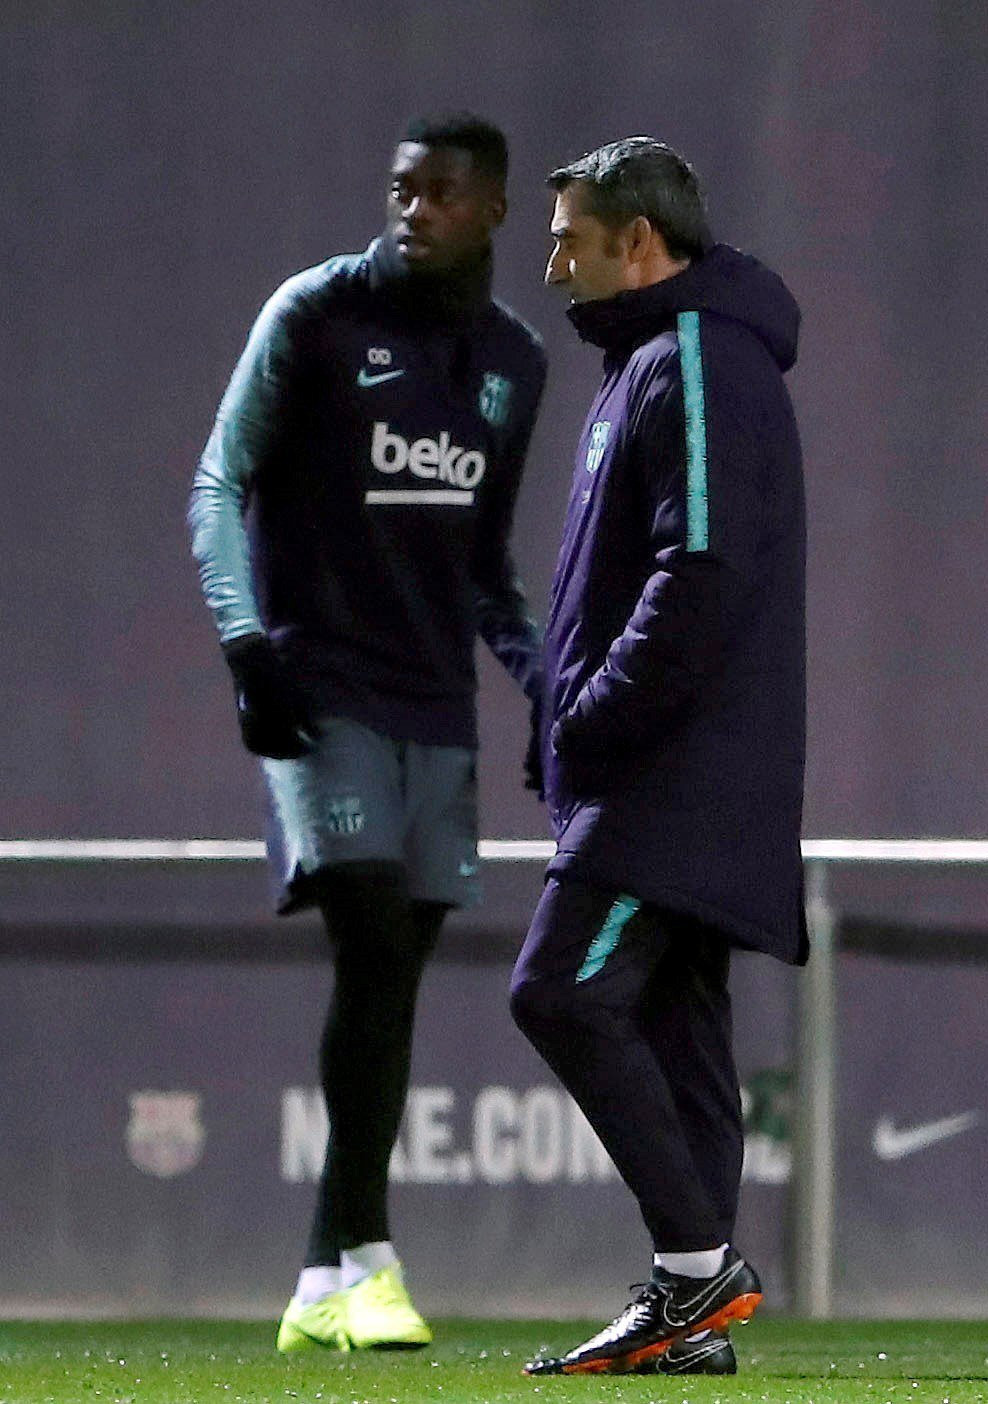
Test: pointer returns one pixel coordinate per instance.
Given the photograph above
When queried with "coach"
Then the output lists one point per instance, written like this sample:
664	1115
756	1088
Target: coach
674	720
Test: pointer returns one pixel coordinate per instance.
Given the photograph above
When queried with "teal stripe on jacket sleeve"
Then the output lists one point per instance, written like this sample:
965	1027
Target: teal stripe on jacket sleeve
605	943
691	362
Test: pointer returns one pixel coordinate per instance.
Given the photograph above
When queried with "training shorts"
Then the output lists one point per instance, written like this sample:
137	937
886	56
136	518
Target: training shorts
362	797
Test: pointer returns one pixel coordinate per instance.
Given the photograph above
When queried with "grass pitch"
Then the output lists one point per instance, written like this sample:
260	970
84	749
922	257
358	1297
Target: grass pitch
479	1362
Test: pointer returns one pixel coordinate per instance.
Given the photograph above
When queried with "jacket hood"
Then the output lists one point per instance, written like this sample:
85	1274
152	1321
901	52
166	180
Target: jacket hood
724	281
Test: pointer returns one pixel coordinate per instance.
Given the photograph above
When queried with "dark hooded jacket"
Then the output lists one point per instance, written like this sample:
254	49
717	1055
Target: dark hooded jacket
675	657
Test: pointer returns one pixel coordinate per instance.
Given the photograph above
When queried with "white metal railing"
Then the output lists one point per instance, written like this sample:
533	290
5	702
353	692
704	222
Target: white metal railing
813	1186
491	850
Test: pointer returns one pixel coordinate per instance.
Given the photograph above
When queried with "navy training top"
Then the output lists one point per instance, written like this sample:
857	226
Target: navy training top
355	498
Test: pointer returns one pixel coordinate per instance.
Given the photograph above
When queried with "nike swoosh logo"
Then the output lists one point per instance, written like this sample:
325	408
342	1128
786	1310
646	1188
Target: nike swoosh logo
685	1360
890	1143
366	378
691	1310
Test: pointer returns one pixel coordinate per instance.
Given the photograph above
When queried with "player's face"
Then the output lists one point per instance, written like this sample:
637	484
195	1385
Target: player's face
588	259
441	213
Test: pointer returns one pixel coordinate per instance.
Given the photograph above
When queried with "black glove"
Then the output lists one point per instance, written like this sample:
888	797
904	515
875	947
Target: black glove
533	754
274	720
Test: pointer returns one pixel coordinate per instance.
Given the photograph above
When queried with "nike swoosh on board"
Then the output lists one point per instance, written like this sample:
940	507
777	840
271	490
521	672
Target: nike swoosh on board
366	378
892	1143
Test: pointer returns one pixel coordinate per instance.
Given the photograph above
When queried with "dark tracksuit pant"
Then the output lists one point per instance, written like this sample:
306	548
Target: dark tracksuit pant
629	1005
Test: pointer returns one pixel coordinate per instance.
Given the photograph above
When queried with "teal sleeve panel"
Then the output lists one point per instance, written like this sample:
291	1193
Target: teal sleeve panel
243	436
694	403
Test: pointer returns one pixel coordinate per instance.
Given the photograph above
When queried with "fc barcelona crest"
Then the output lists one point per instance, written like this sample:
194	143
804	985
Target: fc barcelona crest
164	1135
599	433
495	398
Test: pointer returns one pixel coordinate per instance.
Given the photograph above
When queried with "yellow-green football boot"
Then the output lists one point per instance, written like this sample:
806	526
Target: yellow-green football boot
322	1323
379	1314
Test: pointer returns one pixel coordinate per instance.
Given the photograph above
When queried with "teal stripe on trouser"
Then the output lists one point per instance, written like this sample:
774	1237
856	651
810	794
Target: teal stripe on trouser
691	364
605	943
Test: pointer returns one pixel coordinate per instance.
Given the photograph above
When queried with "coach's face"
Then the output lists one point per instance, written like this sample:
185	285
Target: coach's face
441	211
589	260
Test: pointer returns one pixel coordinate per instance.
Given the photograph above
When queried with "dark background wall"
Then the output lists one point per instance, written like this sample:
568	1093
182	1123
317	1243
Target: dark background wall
167	165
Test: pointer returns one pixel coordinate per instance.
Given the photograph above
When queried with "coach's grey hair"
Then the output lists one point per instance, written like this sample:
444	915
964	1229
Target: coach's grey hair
641	176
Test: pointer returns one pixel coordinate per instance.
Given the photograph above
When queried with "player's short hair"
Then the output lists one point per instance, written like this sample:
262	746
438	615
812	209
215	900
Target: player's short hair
487	144
641	176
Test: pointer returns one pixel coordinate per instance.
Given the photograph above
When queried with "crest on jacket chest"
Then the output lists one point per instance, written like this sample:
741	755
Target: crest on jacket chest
599	433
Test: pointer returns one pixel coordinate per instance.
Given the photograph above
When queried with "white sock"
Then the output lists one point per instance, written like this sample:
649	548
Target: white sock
707	1262
314	1283
357	1263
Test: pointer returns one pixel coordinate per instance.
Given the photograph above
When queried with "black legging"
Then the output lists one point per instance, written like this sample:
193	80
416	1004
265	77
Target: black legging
381	940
